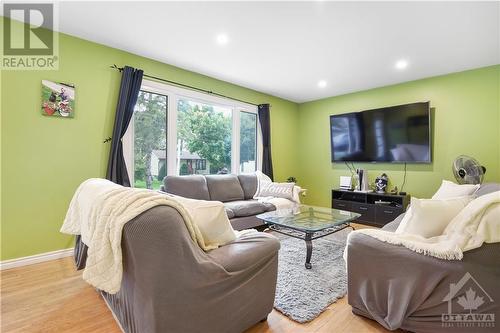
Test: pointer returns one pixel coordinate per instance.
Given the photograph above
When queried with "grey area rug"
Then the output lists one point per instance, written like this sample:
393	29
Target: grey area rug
303	294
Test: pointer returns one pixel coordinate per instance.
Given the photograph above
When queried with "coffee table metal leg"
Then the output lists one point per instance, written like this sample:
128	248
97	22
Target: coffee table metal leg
309	248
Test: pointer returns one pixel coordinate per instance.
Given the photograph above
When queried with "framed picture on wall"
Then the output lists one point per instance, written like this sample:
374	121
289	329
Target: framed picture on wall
58	99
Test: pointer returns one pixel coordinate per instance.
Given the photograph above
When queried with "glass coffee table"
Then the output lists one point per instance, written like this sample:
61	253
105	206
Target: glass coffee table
308	223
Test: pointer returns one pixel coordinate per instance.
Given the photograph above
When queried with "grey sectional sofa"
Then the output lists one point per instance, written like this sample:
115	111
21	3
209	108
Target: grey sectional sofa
170	285
235	191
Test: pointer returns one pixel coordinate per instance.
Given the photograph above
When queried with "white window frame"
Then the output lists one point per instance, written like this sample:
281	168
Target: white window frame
175	93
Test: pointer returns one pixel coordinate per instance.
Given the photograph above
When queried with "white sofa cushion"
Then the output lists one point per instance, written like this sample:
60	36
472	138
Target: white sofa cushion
211	219
449	190
296	194
430	217
266	190
262	180
278	190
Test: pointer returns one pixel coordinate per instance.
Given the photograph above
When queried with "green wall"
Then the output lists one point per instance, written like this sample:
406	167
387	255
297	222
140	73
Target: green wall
44	159
465	115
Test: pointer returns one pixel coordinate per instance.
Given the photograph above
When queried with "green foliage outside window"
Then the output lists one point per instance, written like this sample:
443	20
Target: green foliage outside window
183	169
149	134
201	130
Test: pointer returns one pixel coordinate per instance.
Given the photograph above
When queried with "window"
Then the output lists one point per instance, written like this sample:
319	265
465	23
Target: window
248	142
200	134
201	165
150	140
204	132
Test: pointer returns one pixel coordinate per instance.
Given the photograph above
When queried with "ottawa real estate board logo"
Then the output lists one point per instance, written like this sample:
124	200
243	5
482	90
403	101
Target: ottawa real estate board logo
469	306
28	38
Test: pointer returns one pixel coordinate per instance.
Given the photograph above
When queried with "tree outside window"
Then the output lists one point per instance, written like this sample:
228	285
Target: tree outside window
150	136
203	132
204	139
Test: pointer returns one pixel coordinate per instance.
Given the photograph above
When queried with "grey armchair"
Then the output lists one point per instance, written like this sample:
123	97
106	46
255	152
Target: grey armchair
403	289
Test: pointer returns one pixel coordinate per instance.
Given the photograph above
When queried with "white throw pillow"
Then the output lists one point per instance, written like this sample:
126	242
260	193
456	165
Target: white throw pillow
296	194
281	203
211	219
449	190
277	190
262	179
429	217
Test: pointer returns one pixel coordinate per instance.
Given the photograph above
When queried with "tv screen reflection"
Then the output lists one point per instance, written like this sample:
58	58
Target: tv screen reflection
392	134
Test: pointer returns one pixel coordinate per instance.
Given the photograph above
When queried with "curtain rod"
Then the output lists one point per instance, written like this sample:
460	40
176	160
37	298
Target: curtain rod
187	86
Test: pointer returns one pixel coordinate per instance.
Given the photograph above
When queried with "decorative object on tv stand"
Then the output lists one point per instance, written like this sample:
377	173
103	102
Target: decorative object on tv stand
355	181
58	99
345	182
467	170
381	183
363	184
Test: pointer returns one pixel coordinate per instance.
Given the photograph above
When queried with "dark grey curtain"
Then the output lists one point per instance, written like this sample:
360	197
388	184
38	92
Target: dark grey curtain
129	91
265	126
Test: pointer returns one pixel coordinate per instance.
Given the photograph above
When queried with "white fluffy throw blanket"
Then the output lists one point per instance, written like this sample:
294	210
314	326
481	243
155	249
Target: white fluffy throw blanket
477	223
99	210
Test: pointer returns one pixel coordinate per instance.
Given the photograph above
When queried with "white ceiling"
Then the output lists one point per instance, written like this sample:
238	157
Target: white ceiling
285	48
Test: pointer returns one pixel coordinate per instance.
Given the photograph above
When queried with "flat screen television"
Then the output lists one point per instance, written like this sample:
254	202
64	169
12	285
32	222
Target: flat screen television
394	134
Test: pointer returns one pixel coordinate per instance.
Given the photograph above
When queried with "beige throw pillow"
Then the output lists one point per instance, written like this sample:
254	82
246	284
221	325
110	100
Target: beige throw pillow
429	217
211	219
449	190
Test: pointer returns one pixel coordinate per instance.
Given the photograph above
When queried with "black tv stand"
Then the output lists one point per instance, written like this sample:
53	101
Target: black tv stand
376	209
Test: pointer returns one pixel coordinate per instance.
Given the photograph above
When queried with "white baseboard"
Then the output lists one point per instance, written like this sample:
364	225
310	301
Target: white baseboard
30	260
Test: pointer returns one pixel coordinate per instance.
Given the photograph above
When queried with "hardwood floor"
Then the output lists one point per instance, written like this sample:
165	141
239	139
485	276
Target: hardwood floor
52	297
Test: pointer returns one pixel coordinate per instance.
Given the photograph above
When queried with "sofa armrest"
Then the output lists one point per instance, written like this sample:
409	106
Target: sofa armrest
246	251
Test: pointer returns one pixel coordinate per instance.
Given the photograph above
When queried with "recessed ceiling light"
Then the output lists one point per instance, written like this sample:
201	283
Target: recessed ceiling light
222	39
322	83
401	64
